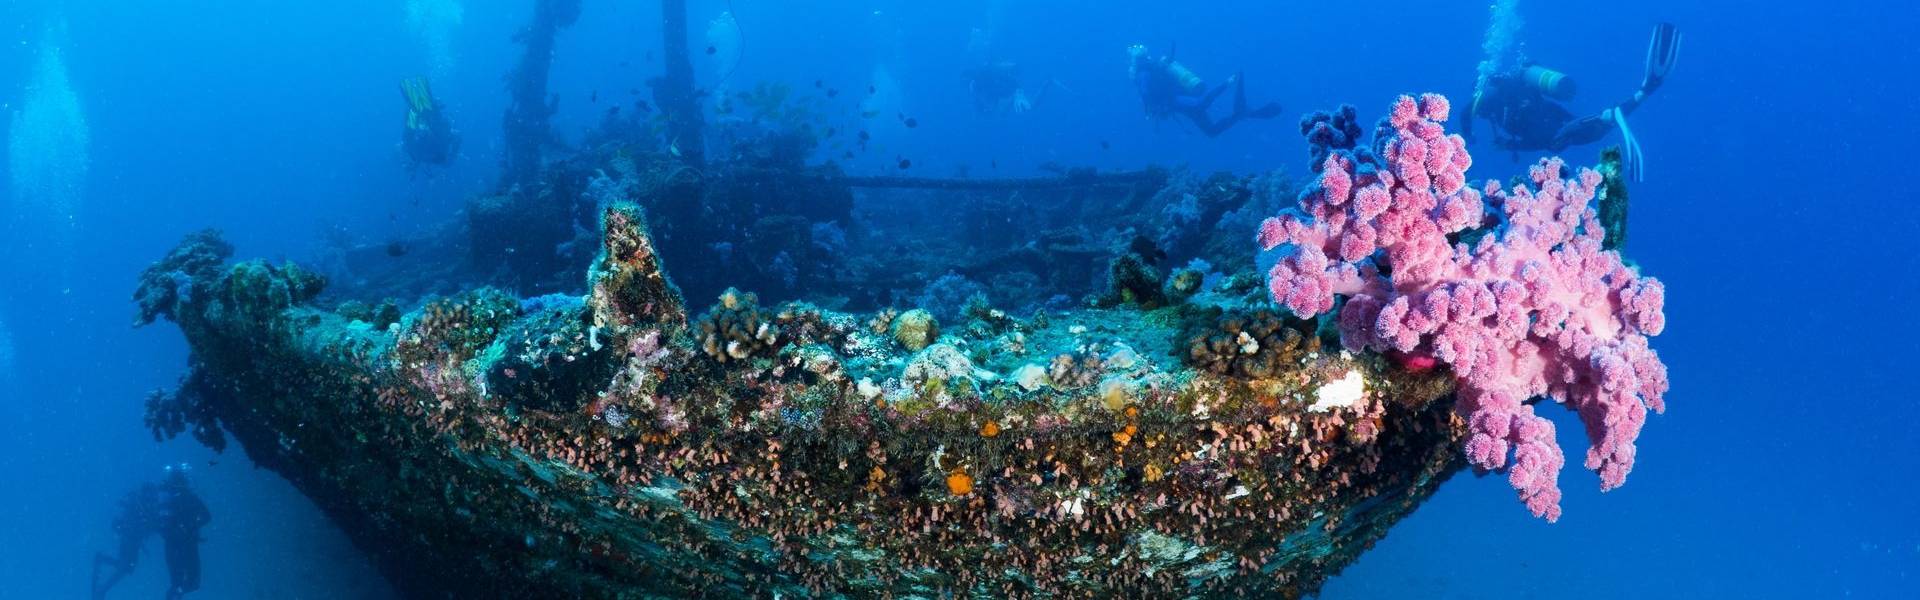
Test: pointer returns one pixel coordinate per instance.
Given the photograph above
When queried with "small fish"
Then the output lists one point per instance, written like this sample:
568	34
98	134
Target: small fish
905	164
832	92
848	155
863	135
633	91
712	50
995	163
673	147
831	131
643	106
594	96
817	83
623	63
1105	146
873	89
397	248
868	114
912	122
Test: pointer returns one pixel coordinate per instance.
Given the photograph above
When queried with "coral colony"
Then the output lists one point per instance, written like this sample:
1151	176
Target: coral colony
1173	433
1534	309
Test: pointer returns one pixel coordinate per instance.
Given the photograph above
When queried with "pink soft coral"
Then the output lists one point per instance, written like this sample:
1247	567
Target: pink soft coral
1535	309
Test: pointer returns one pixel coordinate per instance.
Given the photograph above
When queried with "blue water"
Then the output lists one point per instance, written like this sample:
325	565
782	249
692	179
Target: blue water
1779	209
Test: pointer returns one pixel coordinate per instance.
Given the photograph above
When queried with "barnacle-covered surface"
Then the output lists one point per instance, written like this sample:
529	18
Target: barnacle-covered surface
614	445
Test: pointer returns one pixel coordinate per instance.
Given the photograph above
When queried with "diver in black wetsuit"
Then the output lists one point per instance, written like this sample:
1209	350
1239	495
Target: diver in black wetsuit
170	509
1168	88
1524	106
429	138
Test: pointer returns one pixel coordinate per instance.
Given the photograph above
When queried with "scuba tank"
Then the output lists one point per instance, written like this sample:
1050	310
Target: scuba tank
1553	83
1181	75
1137	57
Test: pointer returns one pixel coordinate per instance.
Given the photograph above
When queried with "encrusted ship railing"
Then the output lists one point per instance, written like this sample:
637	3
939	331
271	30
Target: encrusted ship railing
612	445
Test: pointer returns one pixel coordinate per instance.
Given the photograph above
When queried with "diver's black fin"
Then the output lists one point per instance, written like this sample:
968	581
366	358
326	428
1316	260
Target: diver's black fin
1662	52
1267	111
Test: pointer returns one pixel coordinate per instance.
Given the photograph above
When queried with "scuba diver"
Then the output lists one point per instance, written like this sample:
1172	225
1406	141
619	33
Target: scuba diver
994	82
996	89
1524	105
170	509
1169	88
429	138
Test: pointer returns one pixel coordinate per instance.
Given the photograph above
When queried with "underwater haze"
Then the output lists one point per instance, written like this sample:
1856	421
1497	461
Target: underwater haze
1785	465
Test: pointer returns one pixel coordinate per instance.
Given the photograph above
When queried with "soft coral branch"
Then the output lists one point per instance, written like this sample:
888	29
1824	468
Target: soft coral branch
1535	308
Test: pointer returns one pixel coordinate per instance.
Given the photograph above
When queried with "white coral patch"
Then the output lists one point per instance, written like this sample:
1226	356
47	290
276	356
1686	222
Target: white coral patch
1342	393
1031	377
867	389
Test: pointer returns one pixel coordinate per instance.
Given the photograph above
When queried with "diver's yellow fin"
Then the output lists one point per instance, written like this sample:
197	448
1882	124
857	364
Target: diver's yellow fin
419	96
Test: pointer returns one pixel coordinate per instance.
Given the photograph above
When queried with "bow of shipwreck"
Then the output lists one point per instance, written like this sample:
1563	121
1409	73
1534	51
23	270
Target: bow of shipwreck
615	445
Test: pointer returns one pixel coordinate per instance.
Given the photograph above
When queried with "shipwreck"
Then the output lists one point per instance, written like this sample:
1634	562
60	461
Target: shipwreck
615	444
524	403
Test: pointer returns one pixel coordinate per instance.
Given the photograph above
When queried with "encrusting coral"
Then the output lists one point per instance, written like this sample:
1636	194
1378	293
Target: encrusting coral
166	284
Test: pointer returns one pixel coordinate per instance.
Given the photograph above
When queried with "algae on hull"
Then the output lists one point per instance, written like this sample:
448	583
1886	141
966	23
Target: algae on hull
483	445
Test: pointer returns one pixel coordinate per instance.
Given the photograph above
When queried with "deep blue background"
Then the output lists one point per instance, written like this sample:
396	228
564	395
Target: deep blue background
1780	211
